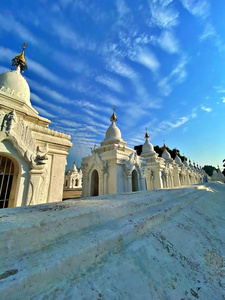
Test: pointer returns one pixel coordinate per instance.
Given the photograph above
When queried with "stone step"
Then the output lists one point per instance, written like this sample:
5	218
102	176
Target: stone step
46	223
72	255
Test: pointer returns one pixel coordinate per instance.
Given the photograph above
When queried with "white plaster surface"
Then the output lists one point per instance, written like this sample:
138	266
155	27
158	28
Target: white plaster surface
161	244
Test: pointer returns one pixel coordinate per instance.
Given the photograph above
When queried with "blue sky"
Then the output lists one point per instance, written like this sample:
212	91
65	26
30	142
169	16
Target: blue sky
160	62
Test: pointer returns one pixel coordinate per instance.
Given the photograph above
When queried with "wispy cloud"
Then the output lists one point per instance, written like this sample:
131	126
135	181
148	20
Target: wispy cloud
44	72
175	124
209	31
10	24
142	95
95	115
87	126
207	109
86	106
219	88
176	76
163	15
111	83
147	59
109	99
49	92
155	128
122	8
179	73
118	67
194	113
43	112
169	42
6	54
164	86
167	126
200	8
71	63
134	113
71	38
53	108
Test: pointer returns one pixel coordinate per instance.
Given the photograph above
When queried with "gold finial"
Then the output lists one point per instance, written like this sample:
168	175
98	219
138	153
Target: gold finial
19	61
164	145
113	117
146	134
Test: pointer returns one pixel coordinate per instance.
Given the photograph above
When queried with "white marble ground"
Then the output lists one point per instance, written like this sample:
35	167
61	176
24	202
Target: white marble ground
163	244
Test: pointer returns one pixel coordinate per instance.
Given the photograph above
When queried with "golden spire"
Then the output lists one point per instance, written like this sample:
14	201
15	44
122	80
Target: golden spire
113	117
164	145
146	135
19	61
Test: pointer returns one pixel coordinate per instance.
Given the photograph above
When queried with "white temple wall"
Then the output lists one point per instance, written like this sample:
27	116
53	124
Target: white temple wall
85	187
149	181
176	176
113	178
120	177
158	184
57	171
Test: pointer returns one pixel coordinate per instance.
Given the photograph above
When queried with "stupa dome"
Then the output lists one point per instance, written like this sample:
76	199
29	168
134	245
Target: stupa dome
74	169
113	133
166	154
14	84
147	147
185	163
178	160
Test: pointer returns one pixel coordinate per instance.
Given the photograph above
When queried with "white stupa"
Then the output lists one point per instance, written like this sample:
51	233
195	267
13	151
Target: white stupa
32	154
113	133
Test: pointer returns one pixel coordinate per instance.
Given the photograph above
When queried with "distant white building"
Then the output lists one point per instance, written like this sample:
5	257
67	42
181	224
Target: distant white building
112	168
115	168
218	175
73	178
32	156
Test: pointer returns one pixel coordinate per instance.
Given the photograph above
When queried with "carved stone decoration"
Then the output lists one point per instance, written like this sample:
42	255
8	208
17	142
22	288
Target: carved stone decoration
133	162
12	119
95	161
42	154
2	115
18	132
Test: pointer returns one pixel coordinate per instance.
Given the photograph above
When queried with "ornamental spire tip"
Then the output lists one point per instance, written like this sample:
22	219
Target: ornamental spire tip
113	117
19	61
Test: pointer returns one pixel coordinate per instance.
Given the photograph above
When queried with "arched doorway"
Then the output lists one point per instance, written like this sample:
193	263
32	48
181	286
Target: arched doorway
94	183
76	182
134	181
7	180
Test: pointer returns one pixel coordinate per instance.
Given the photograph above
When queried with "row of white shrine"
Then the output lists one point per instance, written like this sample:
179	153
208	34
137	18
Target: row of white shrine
115	168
